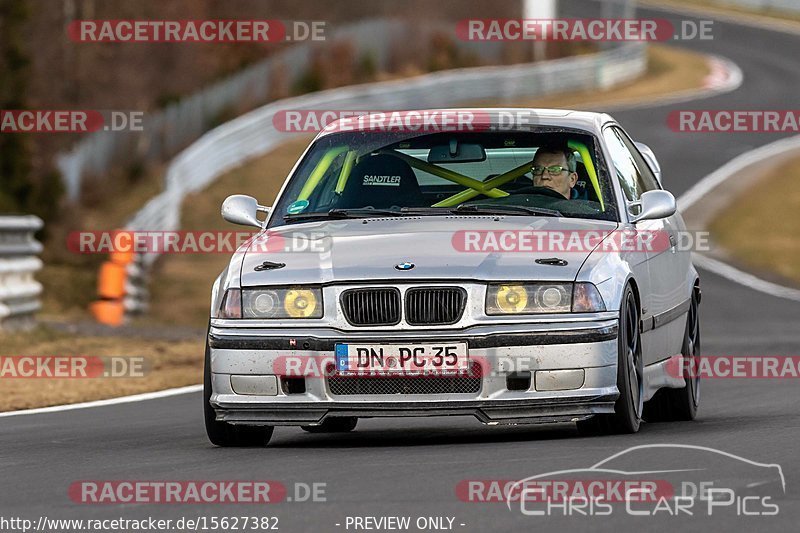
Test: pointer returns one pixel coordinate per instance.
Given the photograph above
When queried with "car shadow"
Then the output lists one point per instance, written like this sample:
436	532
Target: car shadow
421	435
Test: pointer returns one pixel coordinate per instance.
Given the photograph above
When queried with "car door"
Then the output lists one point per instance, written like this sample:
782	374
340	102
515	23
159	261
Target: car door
676	263
662	267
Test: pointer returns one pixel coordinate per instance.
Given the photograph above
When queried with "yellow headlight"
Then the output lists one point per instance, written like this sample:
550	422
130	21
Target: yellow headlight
300	303
512	298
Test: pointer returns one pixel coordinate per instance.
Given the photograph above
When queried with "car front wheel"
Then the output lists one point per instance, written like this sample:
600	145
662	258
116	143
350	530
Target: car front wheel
627	414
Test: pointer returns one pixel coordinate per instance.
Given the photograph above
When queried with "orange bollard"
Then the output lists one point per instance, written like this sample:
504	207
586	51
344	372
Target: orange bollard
111	283
110	309
109	312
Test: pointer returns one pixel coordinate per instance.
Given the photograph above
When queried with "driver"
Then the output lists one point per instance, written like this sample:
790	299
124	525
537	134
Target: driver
554	167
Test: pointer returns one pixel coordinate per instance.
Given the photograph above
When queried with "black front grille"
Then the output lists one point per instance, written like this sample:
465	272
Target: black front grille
435	305
371	307
463	383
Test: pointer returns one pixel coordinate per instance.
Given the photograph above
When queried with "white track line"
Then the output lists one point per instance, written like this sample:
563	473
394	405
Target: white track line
708	183
110	401
743	278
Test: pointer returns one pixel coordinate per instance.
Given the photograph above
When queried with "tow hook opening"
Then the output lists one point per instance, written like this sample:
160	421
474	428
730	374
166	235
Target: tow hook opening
518	381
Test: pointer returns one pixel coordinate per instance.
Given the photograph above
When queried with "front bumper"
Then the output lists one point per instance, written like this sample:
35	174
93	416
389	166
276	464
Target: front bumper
552	355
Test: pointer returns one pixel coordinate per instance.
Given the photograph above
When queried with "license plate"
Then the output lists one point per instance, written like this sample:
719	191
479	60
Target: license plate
444	358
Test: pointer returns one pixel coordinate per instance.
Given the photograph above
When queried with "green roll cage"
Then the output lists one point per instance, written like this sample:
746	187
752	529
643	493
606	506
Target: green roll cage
472	186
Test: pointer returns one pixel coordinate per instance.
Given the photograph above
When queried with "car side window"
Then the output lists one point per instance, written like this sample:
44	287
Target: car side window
635	177
647	180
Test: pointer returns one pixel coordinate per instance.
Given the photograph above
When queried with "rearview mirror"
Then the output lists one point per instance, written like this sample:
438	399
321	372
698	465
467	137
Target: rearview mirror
650	159
653	205
456	152
242	209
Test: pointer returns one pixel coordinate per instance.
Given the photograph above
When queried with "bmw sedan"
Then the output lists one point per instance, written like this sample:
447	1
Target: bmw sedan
515	265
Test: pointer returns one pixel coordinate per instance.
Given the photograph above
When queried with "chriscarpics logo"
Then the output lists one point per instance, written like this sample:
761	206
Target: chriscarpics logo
390	181
645	480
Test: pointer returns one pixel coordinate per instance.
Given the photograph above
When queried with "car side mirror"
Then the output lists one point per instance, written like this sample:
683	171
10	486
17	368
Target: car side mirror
243	209
653	205
650	159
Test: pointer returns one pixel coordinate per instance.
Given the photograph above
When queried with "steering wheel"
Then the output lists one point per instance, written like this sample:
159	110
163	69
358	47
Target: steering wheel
544	191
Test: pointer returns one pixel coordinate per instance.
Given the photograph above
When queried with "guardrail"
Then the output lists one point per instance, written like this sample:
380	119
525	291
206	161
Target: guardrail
254	133
19	291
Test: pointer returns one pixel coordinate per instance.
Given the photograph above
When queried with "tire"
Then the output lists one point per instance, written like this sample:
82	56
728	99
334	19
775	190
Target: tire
334	425
627	414
222	433
669	405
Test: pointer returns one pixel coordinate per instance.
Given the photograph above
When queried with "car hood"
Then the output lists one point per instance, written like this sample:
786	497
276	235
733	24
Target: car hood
370	249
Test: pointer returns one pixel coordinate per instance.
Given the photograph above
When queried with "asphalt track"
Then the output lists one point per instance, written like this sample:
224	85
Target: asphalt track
411	467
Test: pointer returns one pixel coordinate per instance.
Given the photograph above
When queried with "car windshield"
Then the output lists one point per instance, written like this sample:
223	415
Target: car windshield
365	174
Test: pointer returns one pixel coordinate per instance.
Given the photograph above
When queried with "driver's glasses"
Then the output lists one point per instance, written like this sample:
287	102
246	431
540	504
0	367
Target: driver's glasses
554	170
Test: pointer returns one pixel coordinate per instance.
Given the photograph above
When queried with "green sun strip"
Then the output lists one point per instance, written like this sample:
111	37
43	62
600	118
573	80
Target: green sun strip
497	181
319	171
347	166
589	164
450	175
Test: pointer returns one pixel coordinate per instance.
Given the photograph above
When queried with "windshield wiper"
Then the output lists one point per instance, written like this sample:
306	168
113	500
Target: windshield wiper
338	213
496	209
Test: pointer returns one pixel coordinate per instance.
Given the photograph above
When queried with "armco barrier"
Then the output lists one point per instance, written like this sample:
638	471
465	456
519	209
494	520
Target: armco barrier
254	133
19	291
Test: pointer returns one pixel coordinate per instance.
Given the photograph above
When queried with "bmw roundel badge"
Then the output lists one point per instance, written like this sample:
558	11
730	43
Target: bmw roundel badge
405	265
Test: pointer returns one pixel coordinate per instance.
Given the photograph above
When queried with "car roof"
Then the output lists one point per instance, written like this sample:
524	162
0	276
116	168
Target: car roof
560	118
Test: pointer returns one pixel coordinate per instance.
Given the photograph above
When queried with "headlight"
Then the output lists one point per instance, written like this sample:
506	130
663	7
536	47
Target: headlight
295	302
536	298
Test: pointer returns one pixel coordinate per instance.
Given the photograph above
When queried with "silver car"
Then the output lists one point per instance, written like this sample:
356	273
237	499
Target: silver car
516	265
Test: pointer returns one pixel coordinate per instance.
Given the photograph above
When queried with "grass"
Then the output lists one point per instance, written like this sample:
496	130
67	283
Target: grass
759	228
181	284
168	363
669	70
